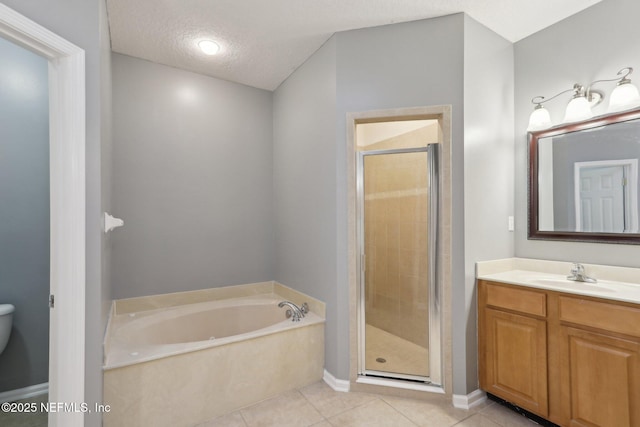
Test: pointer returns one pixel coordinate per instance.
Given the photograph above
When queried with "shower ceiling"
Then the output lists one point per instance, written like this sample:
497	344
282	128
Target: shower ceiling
263	41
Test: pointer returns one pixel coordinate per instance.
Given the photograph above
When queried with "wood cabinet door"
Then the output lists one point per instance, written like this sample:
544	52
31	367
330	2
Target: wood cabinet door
514	359
601	374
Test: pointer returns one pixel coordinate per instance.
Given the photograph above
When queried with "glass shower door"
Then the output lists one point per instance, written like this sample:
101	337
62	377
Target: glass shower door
397	262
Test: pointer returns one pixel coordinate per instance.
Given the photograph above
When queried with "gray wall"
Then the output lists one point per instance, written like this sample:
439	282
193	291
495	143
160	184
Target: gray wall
421	65
488	180
78	21
192	161
403	65
304	160
24	214
593	44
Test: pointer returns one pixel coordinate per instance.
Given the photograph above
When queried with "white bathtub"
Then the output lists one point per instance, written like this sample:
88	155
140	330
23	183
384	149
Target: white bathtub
179	366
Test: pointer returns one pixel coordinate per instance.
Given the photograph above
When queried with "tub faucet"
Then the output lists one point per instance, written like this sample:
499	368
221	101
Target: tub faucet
578	274
294	311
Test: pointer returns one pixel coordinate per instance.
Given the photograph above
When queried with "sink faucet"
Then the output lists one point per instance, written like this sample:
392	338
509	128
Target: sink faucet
578	274
295	312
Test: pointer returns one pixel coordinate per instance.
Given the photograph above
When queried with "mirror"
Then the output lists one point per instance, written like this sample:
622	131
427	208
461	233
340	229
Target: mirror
584	181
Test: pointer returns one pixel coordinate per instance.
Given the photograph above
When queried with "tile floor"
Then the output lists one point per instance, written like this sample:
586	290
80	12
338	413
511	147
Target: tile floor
320	406
21	419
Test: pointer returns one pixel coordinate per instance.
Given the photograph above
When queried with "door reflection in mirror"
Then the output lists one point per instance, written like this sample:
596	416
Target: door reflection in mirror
588	180
604	196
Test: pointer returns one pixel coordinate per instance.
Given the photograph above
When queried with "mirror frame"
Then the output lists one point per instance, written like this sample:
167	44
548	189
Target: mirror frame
532	218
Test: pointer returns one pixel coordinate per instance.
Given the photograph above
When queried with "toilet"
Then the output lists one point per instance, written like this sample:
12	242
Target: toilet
6	319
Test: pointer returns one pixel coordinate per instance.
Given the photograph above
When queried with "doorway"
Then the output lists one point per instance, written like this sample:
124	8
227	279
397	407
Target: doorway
399	289
66	71
24	229
606	196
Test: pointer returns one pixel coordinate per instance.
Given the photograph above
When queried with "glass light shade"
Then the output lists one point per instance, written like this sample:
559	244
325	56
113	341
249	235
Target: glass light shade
577	109
539	119
624	97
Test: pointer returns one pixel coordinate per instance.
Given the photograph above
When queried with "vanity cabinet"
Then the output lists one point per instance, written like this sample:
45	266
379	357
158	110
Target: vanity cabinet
570	359
600	362
514	343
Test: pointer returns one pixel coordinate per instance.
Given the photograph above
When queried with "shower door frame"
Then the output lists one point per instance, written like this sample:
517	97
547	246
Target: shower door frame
434	326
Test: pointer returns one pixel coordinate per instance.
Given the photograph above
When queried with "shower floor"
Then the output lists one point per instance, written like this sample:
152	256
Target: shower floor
402	356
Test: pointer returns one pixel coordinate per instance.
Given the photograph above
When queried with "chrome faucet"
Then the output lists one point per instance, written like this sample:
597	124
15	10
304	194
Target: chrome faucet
296	313
578	274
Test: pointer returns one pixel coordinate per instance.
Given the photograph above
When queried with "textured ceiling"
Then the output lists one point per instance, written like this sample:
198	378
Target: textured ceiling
263	41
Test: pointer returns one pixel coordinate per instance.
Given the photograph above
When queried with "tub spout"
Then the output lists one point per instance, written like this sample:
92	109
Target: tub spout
296	312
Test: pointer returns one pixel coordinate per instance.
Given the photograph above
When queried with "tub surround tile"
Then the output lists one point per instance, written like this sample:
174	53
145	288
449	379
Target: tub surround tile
298	298
154	302
195	387
119	342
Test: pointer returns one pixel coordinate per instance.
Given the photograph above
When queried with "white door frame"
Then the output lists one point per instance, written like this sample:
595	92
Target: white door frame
67	192
631	190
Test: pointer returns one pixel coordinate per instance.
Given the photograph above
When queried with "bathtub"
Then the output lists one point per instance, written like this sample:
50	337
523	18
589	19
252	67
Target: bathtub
181	365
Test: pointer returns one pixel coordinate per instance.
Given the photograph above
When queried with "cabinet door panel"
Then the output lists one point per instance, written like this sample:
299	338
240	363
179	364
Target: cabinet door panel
604	382
516	359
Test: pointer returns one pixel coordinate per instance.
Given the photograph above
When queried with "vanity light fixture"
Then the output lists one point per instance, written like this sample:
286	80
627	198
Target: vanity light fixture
540	118
209	47
579	108
625	96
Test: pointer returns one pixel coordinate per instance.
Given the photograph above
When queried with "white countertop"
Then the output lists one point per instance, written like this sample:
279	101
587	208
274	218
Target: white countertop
614	283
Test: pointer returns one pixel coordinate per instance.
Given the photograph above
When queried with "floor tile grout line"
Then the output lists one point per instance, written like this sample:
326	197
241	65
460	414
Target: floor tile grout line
342	412
314	406
244	420
436	403
400	413
481	412
299	390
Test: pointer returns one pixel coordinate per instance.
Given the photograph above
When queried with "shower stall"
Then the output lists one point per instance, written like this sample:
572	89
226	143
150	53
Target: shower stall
399	319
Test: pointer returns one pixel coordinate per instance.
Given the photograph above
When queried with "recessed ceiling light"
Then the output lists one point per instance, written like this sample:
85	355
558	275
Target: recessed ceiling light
209	47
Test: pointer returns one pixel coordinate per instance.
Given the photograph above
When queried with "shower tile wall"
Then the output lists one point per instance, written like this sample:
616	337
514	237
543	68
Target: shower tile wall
396	245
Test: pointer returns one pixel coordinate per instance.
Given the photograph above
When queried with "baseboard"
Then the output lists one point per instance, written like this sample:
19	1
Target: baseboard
469	401
334	383
23	393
